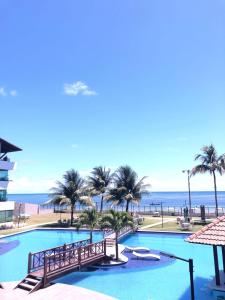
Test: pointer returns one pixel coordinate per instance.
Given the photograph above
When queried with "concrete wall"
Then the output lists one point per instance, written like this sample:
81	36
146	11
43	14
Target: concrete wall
30	209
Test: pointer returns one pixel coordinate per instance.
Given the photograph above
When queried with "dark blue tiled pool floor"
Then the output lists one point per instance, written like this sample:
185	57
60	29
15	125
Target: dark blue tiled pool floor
135	263
7	246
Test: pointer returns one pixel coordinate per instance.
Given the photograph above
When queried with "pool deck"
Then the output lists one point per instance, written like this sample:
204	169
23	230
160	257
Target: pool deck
53	292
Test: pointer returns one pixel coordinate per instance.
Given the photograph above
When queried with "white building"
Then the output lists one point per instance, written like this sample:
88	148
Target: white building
6	207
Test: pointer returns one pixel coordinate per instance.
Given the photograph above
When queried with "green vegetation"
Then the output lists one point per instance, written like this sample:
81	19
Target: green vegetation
149	220
127	187
99	182
45	220
89	218
210	163
116	221
172	226
122	186
71	191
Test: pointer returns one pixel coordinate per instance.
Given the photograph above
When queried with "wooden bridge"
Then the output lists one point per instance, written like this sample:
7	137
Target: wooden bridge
47	265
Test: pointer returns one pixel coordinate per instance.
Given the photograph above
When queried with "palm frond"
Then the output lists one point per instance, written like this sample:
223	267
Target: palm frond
210	162
200	169
127	187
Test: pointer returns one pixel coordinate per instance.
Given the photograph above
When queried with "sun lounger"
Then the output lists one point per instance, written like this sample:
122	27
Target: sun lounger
146	255
131	249
156	214
185	226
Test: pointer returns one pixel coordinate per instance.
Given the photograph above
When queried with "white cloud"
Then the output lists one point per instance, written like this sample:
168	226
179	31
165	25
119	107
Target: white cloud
78	87
13	93
74	146
2	92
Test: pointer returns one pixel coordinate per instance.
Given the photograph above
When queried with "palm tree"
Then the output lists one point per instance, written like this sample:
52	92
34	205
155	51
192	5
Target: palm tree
127	187
210	163
57	200
90	218
72	190
116	221
99	182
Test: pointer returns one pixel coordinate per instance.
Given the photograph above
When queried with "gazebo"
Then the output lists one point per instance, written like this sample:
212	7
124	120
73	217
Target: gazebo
213	235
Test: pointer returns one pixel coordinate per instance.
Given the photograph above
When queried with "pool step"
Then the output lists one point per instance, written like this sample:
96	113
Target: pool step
30	283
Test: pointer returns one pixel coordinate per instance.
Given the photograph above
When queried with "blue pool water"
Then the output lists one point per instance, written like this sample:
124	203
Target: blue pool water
165	282
13	264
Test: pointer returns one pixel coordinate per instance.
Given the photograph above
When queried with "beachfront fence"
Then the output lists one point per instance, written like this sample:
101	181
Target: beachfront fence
144	209
151	209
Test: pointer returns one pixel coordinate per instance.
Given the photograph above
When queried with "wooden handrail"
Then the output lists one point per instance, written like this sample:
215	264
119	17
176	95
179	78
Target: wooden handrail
29	262
45	271
49	249
63	259
36	259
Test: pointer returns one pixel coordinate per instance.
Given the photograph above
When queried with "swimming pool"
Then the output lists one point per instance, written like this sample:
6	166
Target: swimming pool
13	264
165	282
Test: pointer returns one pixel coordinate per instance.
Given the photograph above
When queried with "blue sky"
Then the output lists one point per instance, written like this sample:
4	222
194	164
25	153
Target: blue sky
87	83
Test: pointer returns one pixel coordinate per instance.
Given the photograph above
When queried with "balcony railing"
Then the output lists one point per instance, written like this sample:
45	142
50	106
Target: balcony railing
3	184
6	165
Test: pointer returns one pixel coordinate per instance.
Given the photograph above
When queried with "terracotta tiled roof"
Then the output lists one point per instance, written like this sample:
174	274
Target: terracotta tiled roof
212	234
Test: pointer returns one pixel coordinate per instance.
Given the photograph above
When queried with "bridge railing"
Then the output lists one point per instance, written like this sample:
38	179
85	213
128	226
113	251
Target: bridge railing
108	232
36	260
57	262
124	230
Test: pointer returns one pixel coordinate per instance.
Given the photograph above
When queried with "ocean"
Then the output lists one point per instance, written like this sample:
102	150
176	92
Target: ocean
170	199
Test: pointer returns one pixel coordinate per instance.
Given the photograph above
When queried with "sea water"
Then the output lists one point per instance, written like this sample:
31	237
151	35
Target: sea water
167	198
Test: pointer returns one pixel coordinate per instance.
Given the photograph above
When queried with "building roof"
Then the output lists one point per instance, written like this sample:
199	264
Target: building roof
6	147
212	234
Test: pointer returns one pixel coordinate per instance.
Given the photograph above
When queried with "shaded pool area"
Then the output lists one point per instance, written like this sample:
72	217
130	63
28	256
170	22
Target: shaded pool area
6	246
142	280
136	263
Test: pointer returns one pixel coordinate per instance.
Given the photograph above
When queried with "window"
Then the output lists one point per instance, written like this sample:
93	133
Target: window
3	175
6	216
2	195
2	216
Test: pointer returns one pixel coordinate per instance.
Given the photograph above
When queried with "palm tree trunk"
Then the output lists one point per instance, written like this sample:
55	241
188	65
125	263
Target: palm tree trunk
215	189
91	236
71	218
101	204
127	205
117	250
